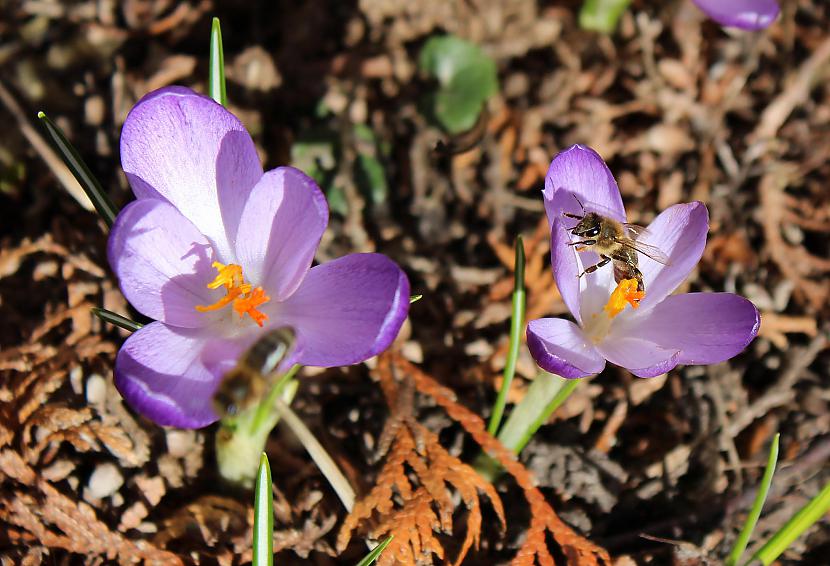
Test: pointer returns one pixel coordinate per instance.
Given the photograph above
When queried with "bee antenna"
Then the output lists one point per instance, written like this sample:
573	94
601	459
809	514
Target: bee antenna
582	206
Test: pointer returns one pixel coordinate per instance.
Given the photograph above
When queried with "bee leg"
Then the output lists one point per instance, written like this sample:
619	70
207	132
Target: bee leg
583	243
591	269
638	275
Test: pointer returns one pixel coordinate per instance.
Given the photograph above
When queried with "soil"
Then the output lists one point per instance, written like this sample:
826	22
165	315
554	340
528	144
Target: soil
656	471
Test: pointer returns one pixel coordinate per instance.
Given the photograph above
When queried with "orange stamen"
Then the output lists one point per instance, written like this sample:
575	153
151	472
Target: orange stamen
626	293
244	296
247	305
229	275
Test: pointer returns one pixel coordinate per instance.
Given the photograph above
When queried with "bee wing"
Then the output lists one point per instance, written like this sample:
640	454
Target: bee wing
636	231
649	251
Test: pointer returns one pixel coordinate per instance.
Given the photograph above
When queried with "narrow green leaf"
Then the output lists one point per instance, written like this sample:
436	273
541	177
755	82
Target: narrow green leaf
216	73
375	554
263	554
602	15
516	327
757	505
89	183
116	319
415	298
806	517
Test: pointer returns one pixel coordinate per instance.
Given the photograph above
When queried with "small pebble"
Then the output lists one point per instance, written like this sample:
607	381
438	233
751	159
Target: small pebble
96	389
104	481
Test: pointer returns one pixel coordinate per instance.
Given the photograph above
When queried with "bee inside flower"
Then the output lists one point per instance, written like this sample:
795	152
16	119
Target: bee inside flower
661	330
219	253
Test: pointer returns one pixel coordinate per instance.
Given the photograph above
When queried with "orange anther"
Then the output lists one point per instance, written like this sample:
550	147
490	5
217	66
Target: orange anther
229	275
248	305
244	297
626	293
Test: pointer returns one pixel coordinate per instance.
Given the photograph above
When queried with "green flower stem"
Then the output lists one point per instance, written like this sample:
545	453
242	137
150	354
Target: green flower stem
602	15
116	319
801	521
263	543
516	327
89	183
216	71
241	438
546	394
324	462
757	505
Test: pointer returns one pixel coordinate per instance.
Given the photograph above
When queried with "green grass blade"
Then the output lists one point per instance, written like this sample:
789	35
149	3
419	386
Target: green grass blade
516	327
800	522
216	73
372	556
116	319
757	505
93	189
263	554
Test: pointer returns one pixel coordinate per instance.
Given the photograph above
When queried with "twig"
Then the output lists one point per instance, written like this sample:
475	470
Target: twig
782	391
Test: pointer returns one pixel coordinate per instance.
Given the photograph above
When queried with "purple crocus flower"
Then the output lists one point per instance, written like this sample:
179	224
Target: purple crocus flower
217	251
745	14
664	330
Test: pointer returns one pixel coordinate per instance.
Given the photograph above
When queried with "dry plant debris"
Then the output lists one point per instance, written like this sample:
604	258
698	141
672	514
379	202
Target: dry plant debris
411	496
544	521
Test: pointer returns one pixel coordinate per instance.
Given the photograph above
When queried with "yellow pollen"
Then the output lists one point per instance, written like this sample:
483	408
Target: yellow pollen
244	296
625	293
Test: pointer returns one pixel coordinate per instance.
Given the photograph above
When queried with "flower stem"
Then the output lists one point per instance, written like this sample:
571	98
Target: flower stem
516	326
241	438
543	397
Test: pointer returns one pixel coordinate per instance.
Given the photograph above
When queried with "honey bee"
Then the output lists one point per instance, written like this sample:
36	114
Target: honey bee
614	242
255	371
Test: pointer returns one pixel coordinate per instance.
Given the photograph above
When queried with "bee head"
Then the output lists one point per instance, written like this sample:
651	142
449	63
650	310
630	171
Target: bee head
588	226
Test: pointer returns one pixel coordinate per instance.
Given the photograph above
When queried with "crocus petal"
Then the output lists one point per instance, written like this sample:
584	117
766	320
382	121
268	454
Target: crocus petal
566	267
560	347
281	227
745	14
580	173
347	310
680	233
706	328
160	372
643	358
163	263
191	151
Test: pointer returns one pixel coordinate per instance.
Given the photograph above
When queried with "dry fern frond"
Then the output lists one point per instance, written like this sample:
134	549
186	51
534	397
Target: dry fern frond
578	550
411	498
44	514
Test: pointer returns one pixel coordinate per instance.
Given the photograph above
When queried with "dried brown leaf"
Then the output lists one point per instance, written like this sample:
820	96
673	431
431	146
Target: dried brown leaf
578	550
416	507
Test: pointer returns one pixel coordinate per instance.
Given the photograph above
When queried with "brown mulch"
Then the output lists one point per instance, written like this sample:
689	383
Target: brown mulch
680	109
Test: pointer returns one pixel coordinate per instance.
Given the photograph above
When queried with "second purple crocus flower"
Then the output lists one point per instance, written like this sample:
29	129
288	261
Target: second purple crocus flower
216	250
744	14
665	330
